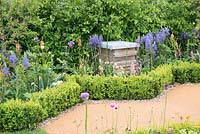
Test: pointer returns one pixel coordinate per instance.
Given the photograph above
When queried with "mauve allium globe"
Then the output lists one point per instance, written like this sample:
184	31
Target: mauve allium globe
114	105
84	96
166	86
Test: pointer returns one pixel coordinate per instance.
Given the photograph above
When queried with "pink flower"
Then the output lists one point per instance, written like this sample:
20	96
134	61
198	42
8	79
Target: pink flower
114	105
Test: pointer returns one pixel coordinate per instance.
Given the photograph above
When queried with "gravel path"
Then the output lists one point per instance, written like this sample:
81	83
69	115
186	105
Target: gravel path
183	103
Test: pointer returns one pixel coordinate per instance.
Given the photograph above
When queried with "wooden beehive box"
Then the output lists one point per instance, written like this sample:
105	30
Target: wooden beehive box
123	55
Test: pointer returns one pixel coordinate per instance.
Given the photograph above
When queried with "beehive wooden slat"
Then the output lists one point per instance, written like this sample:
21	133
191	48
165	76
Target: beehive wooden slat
122	54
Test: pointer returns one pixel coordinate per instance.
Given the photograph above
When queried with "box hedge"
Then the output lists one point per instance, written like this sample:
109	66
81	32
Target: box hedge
184	72
18	115
57	99
131	87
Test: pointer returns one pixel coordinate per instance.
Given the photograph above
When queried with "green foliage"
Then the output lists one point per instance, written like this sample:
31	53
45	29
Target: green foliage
186	72
18	22
132	87
18	115
37	131
57	22
57	99
182	128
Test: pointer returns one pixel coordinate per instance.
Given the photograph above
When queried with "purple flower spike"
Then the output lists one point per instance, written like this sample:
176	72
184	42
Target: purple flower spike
6	70
25	62
166	86
13	59
95	40
148	40
85	96
71	44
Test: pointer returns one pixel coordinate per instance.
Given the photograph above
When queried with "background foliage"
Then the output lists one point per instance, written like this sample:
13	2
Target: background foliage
57	21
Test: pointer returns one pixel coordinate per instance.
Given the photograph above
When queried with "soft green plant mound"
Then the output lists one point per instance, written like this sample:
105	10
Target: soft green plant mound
57	99
18	115
184	72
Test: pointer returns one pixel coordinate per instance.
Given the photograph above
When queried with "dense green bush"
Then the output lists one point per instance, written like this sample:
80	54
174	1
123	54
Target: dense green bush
186	72
18	115
57	99
132	87
145	86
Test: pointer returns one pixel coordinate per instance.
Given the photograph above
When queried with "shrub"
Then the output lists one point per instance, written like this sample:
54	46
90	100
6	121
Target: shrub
57	99
18	115
186	72
145	86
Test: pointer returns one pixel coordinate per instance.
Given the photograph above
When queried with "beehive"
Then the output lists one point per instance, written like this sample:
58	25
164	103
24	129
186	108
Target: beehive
121	54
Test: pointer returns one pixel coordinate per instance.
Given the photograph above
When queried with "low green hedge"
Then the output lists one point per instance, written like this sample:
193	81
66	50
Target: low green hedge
132	87
18	115
59	98
184	72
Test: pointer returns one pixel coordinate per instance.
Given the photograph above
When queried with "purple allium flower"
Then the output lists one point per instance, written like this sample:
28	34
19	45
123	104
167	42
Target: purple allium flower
95	40
71	43
6	70
185	36
166	86
114	105
84	96
25	62
13	59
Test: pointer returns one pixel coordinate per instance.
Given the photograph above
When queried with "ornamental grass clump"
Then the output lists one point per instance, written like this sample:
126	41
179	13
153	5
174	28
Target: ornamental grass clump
85	96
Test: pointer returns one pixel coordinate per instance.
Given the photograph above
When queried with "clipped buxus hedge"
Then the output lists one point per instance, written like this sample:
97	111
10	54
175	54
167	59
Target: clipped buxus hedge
145	86
59	98
184	72
17	114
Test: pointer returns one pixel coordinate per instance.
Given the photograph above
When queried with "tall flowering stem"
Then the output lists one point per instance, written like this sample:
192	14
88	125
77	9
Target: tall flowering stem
85	96
86	117
166	86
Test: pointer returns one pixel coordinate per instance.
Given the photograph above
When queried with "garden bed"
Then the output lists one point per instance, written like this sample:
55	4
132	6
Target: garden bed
53	101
